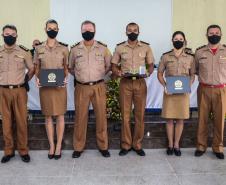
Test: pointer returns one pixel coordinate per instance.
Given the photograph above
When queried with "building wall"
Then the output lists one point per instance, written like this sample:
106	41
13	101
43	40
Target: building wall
190	16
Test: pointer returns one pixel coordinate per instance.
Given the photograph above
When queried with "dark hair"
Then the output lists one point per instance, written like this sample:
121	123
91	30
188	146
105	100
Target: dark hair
132	24
51	21
179	33
213	26
10	26
88	22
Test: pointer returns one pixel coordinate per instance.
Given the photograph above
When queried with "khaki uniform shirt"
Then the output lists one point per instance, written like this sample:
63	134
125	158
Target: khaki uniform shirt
210	68
131	58
183	65
51	58
89	63
13	64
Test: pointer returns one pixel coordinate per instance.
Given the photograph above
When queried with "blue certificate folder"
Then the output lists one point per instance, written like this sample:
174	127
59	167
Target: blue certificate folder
178	84
51	77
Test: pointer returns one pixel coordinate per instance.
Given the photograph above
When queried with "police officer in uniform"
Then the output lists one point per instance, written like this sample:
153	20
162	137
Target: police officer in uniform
89	62
14	60
177	62
210	62
52	54
128	58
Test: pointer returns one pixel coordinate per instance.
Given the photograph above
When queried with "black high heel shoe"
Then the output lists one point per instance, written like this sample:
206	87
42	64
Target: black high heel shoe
177	152
50	156
169	151
56	157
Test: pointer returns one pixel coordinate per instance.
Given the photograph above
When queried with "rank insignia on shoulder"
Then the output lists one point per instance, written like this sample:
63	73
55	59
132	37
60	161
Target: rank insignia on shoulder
24	48
61	43
167	52
201	47
76	44
101	43
144	42
121	43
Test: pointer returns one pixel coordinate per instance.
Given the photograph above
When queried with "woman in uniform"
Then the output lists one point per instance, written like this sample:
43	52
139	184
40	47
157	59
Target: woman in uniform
177	62
52	54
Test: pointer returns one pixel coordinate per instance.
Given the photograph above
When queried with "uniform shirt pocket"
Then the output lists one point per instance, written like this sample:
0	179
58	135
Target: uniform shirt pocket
186	68
19	62
80	62
203	64
171	68
59	60
99	59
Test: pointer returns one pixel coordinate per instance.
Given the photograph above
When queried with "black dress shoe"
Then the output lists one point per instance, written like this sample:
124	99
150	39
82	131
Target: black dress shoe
50	156
25	158
199	153
177	152
124	152
105	153
169	151
140	152
7	158
219	155
76	154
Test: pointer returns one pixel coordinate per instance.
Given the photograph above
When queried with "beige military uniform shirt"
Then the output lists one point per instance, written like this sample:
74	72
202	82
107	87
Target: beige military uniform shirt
183	65
131	58
90	64
210	68
13	64
51	58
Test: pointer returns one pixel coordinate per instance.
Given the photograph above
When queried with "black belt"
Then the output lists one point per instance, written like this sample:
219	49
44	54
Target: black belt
91	83
133	77
12	86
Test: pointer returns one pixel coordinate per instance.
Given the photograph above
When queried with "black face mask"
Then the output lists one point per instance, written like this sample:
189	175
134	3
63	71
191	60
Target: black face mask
132	36
88	35
178	44
52	34
9	40
214	39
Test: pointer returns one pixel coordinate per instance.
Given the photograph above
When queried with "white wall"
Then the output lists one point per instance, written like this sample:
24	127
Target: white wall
111	18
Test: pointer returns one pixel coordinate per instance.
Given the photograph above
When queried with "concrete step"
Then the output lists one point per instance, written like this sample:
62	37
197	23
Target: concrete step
155	134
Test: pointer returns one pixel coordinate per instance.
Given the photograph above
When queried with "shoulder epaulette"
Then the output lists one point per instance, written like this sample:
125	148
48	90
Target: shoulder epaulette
121	43
76	44
24	48
188	51
61	43
38	44
144	42
167	52
102	43
201	47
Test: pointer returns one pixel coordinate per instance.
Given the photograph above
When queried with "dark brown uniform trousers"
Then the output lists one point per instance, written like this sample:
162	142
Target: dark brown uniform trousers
211	100
132	91
14	105
96	94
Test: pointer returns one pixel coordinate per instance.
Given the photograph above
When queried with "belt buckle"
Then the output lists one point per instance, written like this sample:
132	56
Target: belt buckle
10	87
134	78
91	83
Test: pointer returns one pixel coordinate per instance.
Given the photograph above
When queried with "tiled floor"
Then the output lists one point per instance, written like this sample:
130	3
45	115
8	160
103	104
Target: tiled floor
92	169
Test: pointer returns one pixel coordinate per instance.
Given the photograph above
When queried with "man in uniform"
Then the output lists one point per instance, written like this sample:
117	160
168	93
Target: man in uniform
133	56
14	59
89	61
210	62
